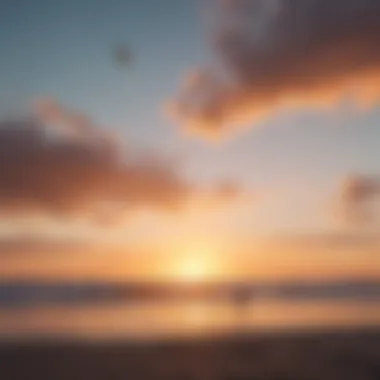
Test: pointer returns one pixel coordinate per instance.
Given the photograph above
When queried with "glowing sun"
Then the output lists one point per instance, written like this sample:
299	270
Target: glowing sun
193	269
196	266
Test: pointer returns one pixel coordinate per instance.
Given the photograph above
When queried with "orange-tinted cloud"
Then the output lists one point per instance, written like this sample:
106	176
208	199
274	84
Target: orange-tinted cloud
357	194
42	172
283	53
61	164
73	124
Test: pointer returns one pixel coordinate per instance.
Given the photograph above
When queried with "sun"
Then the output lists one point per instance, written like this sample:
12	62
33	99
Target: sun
193	269
196	265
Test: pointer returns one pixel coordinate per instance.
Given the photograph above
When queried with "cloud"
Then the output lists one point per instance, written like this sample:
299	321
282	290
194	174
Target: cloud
42	172
329	240
226	191
62	165
73	124
357	194
282	53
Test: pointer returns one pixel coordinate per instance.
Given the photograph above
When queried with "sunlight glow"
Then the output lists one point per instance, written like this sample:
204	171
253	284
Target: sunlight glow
197	265
193	269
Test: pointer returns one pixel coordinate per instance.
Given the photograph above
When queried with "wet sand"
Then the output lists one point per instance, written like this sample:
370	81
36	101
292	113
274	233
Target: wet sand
347	355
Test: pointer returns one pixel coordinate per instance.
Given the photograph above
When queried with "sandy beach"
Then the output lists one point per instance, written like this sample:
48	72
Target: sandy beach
345	354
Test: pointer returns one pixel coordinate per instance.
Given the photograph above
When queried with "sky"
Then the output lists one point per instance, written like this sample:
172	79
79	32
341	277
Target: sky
282	175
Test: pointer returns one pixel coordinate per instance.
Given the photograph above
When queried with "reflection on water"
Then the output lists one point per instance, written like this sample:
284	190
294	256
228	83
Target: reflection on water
146	319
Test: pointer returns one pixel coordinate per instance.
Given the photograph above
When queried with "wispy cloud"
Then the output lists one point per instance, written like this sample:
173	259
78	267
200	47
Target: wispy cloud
282	53
357	195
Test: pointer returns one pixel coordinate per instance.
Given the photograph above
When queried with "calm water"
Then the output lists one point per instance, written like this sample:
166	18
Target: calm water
140	320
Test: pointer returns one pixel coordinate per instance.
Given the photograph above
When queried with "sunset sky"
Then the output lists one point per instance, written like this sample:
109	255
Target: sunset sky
134	177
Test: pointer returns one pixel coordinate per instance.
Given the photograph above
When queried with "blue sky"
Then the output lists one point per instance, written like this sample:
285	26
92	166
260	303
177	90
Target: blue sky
63	50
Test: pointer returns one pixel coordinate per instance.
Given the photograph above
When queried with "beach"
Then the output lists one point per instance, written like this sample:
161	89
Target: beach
345	354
